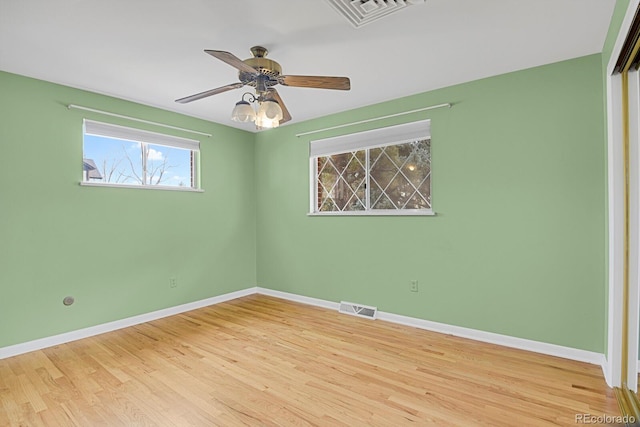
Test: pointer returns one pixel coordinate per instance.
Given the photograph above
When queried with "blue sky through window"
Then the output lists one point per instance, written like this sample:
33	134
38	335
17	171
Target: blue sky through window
120	162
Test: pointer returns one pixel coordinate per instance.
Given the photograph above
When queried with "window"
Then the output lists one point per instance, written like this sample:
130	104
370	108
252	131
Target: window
380	172
121	156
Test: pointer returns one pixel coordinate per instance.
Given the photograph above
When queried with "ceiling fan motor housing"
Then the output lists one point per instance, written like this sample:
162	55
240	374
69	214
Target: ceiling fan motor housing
262	65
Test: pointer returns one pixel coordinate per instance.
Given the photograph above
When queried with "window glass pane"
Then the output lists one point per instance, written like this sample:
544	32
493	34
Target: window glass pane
382	172
327	177
417	169
168	166
118	159
389	171
400	176
109	160
341	182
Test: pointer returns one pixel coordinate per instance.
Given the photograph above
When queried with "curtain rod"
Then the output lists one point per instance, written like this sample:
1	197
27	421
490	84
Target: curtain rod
79	107
432	107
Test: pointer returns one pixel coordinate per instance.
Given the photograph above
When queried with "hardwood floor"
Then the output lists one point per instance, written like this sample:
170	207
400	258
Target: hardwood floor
263	361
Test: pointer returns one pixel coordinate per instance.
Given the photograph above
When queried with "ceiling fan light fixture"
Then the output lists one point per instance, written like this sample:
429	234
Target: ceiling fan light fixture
269	115
263	74
270	109
243	112
264	123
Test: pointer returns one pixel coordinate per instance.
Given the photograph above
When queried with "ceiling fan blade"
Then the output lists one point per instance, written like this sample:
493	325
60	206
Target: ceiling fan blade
286	116
320	82
232	60
209	93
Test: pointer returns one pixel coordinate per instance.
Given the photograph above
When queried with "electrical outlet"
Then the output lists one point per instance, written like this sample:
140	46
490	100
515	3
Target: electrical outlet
414	286
173	282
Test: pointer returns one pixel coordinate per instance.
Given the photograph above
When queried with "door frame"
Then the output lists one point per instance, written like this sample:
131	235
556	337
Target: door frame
623	184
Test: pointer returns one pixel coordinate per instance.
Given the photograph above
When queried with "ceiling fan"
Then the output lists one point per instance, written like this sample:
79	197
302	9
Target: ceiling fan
263	74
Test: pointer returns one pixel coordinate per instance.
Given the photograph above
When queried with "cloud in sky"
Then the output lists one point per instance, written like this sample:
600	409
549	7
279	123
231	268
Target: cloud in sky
155	155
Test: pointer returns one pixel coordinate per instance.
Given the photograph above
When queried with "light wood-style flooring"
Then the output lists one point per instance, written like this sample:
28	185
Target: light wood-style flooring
260	361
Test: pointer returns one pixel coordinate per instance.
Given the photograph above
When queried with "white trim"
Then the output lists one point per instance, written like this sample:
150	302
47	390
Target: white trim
622	35
313	186
615	227
499	339
377	212
299	298
615	185
606	370
141	187
14	350
474	334
634	228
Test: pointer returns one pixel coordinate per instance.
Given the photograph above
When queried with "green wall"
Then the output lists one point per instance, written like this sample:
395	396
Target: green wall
518	245
517	248
113	249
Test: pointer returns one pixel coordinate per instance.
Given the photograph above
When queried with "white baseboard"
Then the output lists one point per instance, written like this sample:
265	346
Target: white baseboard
14	350
499	339
474	334
606	370
299	298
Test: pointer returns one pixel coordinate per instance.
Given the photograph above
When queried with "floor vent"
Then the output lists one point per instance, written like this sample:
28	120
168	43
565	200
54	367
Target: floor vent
358	310
361	12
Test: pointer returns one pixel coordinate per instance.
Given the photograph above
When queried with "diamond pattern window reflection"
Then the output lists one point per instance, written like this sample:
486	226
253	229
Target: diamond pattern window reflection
341	182
400	176
393	177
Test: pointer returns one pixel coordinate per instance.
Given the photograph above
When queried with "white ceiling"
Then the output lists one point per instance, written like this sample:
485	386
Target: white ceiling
151	51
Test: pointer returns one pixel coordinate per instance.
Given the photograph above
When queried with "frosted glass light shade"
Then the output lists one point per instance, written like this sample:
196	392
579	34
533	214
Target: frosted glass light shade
264	123
243	112
270	110
269	115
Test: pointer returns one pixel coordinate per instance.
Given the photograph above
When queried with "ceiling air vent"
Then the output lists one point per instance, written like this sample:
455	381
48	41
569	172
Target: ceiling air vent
361	12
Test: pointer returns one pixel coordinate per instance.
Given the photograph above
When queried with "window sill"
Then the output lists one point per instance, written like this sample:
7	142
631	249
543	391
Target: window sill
143	187
379	212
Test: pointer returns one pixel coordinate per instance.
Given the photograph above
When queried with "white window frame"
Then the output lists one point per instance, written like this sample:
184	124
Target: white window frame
108	130
391	135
